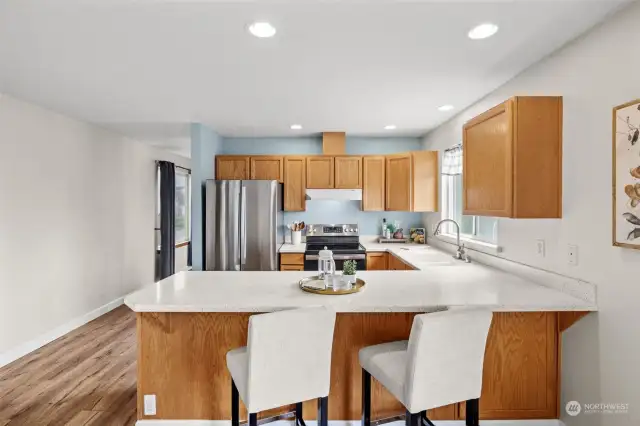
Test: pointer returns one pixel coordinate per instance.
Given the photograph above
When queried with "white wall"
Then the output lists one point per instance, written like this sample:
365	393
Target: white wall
594	73
77	213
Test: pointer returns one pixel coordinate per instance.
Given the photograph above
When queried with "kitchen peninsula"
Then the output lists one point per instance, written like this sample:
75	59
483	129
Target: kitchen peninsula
187	323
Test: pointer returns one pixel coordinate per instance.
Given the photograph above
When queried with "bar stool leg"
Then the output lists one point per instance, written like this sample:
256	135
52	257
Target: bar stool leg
253	419
366	398
235	405
425	420
413	419
323	411
299	419
473	412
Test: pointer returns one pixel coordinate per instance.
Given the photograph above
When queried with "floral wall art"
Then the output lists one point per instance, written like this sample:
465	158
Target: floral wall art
626	175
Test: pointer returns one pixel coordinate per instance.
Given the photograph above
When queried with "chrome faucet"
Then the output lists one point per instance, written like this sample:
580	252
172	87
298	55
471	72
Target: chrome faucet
461	253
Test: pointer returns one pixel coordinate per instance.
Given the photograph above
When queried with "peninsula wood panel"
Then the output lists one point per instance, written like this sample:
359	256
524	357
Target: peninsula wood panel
398	184
513	159
520	377
348	172
377	261
373	183
232	167
267	167
295	176
182	360
320	172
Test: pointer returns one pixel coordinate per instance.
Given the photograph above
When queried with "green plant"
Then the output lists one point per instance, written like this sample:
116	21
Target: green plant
391	227
349	267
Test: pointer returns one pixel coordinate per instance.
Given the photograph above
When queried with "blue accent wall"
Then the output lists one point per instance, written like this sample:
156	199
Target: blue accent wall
331	211
205	145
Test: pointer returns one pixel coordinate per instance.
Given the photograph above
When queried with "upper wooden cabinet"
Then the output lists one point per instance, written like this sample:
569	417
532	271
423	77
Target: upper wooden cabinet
267	167
373	183
412	181
320	172
513	160
232	167
348	172
295	176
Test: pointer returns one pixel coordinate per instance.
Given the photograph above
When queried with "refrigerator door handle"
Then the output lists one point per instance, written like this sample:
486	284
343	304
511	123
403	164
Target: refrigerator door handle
243	225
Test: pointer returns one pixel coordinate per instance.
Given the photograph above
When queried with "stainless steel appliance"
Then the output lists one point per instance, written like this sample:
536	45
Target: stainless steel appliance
243	225
342	239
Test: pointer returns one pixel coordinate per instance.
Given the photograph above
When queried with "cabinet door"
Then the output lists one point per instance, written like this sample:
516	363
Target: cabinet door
488	163
396	264
348	172
267	168
520	376
232	167
320	172
399	182
294	183
376	261
373	180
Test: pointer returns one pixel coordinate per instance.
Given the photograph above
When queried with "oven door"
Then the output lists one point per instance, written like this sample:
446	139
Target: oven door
311	261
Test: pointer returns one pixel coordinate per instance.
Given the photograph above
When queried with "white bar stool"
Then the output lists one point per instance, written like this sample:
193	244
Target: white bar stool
440	364
287	360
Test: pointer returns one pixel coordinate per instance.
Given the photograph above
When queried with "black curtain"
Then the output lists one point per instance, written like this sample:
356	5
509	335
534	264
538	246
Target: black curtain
167	219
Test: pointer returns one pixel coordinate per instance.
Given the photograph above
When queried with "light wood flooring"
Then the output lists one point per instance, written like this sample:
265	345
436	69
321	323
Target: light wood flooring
86	377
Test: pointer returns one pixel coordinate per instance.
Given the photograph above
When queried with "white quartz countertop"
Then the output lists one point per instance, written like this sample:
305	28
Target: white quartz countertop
434	288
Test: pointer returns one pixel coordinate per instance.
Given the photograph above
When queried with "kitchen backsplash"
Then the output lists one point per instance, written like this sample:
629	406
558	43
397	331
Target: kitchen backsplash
333	211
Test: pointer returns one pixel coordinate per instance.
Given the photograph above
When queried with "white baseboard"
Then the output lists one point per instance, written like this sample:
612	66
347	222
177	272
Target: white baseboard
33	344
553	422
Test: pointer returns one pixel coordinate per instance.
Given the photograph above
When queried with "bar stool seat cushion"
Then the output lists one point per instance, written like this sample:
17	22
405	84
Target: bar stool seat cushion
238	365
387	362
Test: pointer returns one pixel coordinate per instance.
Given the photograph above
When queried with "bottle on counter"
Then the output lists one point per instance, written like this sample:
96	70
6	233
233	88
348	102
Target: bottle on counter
384	228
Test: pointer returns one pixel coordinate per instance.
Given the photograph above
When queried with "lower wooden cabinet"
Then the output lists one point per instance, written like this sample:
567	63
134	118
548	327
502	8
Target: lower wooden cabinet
395	264
292	262
377	261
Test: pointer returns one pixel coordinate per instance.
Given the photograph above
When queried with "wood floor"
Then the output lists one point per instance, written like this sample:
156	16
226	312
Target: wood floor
87	377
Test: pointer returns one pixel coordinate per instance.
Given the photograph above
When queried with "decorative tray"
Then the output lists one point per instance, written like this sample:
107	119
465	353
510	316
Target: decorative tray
316	285
394	240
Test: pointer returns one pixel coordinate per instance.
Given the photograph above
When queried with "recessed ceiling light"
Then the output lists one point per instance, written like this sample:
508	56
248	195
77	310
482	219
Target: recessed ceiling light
445	108
262	29
390	127
296	126
483	31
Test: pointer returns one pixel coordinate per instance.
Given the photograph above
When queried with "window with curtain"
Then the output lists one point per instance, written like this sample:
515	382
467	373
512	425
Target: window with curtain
473	227
183	206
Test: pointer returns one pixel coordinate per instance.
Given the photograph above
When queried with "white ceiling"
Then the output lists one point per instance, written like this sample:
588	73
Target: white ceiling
146	68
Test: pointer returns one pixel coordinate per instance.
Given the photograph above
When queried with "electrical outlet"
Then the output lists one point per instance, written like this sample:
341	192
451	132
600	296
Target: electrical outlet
540	248
572	254
149	405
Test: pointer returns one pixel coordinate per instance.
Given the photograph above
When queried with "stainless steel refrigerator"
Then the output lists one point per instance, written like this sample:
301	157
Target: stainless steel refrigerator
243	225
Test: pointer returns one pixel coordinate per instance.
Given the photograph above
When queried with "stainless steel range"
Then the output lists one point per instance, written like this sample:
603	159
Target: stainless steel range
342	239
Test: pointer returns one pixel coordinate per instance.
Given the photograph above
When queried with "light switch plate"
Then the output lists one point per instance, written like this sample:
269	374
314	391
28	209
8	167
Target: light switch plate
572	254
149	405
540	249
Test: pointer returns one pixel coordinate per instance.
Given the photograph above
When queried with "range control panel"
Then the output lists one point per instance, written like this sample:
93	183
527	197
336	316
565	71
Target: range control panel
332	230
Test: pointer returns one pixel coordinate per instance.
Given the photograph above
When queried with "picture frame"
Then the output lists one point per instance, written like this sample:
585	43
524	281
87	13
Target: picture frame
626	175
417	235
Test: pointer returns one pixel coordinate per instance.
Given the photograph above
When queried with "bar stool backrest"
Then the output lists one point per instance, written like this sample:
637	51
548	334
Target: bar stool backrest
445	358
289	357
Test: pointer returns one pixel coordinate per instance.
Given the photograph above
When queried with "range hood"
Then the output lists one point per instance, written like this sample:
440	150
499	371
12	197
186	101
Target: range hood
334	194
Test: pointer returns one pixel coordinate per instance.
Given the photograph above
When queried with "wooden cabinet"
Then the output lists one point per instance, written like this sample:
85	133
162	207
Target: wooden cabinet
292	262
513	160
320	172
520	376
373	183
412	181
377	261
295	183
267	167
231	167
395	264
348	172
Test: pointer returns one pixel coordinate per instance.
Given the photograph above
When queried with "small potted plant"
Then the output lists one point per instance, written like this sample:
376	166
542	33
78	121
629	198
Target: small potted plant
349	271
